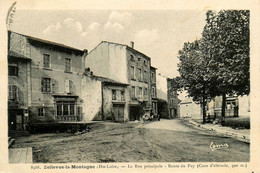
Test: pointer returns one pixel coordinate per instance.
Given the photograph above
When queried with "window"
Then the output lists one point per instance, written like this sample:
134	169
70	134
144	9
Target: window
145	92
68	86
46	61
153	92
12	92
132	58
13	69
67	64
72	108
139	59
139	74
40	112
122	95
65	108
132	72
133	92
46	85
145	62
113	94
140	91
145	76
59	109
152	76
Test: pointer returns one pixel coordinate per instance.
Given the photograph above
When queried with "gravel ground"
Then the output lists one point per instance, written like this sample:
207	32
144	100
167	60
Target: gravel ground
158	141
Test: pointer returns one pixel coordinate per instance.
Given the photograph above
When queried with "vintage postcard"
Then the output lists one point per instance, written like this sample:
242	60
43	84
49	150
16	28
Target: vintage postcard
130	86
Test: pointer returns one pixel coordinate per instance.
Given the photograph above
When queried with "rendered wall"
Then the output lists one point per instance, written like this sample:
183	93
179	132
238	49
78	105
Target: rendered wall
92	99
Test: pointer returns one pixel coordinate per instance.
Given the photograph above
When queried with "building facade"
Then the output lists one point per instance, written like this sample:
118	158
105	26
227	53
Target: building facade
19	84
126	65
46	80
189	109
173	101
235	106
154	91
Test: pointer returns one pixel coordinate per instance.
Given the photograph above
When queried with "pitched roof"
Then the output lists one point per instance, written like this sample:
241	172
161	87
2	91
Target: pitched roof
17	55
49	42
109	81
187	100
120	44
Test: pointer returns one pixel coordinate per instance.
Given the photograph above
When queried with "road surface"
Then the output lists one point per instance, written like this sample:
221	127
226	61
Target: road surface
158	141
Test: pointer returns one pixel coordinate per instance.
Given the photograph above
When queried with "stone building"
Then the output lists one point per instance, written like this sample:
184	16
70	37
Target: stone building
173	101
19	84
48	83
45	77
154	91
125	65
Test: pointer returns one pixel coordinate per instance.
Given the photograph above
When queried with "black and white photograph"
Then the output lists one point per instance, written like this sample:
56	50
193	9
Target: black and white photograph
128	89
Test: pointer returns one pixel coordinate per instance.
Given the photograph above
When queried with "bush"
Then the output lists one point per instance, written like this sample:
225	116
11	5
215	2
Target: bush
238	122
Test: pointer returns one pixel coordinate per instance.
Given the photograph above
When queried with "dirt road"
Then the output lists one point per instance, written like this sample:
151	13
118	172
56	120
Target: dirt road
159	141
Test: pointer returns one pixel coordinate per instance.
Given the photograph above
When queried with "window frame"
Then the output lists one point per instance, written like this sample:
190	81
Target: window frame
140	91
11	93
132	72
67	61
44	61
153	92
41	112
139	72
132	58
44	88
14	66
145	76
133	96
70	108
113	94
122	95
145	91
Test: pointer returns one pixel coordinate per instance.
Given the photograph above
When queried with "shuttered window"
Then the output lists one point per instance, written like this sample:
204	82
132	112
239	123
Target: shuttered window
68	86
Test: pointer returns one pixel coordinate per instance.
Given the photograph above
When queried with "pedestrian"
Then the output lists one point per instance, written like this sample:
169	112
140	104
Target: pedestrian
159	117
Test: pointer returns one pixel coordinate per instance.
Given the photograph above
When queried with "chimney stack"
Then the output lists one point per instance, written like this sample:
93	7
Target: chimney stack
132	44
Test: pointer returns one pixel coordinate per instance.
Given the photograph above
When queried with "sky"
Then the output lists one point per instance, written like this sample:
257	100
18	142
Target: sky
159	34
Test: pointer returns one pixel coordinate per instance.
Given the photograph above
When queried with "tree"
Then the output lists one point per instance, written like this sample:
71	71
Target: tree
225	46
194	74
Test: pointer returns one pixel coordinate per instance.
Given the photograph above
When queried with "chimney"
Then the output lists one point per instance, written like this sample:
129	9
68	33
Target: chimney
132	44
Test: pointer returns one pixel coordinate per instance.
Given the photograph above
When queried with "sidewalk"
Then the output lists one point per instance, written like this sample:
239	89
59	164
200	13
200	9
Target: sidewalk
241	135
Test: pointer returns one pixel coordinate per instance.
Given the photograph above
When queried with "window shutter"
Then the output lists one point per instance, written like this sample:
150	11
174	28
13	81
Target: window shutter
70	86
15	92
10	91
67	86
42	84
